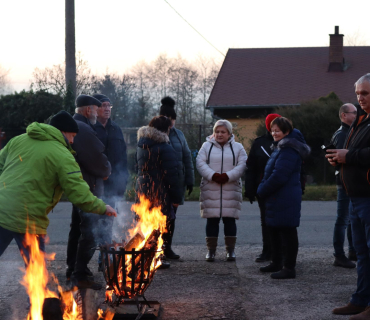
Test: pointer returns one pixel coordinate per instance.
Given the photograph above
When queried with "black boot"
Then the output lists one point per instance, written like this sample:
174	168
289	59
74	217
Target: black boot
264	257
284	274
272	267
167	241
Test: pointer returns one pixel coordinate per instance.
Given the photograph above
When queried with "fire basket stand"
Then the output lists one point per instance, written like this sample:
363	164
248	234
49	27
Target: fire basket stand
128	273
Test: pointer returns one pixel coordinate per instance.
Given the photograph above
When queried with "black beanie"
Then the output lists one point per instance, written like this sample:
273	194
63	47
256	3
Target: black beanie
84	100
64	122
168	108
101	97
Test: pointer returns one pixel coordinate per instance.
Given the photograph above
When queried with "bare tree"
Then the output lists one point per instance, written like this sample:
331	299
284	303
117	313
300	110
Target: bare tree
4	80
355	39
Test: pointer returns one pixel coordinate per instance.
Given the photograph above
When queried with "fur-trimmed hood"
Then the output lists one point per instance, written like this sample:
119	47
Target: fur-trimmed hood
147	133
296	141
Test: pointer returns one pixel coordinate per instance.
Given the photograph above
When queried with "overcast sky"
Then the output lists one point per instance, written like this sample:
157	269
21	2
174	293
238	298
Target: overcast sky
116	34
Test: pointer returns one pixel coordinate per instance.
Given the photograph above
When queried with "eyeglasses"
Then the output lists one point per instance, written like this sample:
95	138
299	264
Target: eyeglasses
106	107
353	112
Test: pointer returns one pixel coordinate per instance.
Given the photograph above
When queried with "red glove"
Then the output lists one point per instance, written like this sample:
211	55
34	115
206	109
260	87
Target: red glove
224	178
216	178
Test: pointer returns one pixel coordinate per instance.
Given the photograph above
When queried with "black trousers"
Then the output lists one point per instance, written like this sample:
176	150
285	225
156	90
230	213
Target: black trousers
284	243
212	227
266	241
87	231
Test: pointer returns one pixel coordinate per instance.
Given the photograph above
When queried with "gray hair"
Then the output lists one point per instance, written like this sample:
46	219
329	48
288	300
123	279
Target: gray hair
224	123
364	78
344	108
79	109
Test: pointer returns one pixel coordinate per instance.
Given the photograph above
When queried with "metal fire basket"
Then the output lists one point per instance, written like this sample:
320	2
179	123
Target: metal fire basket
127	273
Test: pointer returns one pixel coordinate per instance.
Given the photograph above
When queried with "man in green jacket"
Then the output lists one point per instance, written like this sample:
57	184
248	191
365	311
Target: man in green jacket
35	169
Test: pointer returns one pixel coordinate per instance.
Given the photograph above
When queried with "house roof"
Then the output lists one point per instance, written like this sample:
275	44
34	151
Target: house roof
285	76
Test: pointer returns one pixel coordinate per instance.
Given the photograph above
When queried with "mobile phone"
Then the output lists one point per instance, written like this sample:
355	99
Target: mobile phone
330	146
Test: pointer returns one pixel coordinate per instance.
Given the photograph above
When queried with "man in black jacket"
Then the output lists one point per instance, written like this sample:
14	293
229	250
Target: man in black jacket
95	167
110	134
347	114
354	159
258	156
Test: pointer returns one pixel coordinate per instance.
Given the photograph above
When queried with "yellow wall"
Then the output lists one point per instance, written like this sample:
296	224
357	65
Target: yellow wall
245	129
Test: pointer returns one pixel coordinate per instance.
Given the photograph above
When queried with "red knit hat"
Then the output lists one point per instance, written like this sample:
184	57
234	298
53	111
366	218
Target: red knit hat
269	119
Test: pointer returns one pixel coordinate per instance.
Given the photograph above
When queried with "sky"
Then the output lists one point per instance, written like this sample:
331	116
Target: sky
114	35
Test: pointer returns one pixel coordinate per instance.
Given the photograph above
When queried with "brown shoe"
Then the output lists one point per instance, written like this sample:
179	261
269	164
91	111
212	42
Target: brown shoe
349	309
363	315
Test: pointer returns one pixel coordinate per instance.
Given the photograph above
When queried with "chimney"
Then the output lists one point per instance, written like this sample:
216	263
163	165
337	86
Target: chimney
336	60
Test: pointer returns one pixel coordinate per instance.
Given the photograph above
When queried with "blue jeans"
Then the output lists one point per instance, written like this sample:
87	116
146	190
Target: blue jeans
6	237
360	220
342	223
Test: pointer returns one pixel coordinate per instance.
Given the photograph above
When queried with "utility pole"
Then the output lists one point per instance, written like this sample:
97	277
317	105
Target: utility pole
70	46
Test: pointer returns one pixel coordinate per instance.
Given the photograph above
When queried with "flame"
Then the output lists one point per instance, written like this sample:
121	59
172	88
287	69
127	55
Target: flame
108	315
36	279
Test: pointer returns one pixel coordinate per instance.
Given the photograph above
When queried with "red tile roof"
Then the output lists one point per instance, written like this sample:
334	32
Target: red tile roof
281	76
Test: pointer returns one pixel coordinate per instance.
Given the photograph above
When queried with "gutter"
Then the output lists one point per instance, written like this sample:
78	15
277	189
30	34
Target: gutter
253	106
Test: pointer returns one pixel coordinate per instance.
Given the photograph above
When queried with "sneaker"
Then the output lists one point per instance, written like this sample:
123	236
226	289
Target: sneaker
284	274
352	255
263	257
344	262
365	315
349	309
272	267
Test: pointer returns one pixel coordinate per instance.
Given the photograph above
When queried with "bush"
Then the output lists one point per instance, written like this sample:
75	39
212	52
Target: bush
317	120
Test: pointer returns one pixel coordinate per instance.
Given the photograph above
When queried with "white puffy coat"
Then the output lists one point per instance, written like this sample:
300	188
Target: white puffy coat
218	200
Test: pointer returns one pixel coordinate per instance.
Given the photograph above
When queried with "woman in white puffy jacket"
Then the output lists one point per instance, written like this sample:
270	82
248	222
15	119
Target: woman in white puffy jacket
221	162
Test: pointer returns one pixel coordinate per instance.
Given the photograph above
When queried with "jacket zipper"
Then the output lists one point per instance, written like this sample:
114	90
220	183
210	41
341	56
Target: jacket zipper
222	167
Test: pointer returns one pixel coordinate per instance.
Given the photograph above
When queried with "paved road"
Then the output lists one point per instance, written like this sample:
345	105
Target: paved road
316	229
194	289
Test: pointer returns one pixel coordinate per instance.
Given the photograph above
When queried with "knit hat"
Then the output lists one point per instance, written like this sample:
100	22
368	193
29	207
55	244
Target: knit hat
168	108
64	122
101	97
269	119
84	100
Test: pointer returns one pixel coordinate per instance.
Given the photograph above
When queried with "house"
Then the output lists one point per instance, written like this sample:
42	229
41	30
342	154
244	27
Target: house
252	82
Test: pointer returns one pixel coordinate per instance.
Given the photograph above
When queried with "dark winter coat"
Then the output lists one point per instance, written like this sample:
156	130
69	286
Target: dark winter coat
337	140
185	162
257	159
280	186
90	155
115	149
158	176
356	171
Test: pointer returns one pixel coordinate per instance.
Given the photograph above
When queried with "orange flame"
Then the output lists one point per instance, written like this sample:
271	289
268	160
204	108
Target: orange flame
36	279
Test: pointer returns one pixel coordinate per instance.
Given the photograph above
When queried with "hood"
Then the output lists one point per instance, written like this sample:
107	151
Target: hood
150	136
42	131
296	141
212	139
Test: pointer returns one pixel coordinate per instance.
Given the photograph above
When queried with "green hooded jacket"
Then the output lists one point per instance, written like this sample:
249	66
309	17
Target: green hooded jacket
35	169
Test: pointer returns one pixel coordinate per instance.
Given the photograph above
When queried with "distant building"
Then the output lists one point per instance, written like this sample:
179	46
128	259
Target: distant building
252	82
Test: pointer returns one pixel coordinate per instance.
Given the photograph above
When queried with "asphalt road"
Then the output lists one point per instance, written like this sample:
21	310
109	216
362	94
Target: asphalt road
317	223
195	289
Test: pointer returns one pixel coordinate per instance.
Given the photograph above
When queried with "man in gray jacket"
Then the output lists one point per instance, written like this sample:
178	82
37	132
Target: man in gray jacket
95	167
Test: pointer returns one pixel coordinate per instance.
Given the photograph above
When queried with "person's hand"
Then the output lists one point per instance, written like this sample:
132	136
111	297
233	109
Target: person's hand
216	178
110	211
224	178
190	189
175	205
336	156
252	199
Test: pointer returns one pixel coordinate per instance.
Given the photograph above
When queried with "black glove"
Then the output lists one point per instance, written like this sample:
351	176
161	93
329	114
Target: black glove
251	199
190	189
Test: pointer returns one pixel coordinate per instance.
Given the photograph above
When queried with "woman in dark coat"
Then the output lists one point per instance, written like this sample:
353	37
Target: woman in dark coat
157	166
282	192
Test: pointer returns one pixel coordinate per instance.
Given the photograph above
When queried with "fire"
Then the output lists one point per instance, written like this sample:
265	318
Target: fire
150	223
36	279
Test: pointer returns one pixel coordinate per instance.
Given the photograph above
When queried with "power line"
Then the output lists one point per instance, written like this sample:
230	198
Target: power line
193	28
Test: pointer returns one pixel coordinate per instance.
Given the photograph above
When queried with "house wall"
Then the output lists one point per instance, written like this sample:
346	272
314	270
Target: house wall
245	130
